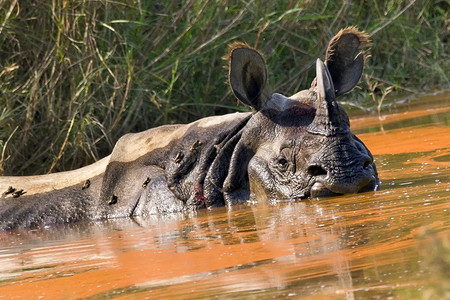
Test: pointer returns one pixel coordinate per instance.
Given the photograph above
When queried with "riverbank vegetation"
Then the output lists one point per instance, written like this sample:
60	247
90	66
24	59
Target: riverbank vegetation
77	75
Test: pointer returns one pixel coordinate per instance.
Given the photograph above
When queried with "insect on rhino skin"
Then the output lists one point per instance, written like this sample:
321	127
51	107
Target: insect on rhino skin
287	148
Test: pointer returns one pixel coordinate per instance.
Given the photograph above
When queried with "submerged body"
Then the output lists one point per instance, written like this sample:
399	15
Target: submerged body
287	148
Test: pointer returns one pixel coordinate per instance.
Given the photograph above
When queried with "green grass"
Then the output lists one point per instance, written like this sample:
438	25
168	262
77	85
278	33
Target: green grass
76	75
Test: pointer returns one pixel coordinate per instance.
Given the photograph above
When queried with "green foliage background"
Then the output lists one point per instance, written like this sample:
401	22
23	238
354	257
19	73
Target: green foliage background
76	75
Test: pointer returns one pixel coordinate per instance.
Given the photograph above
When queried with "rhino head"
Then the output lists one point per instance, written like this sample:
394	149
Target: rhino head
300	146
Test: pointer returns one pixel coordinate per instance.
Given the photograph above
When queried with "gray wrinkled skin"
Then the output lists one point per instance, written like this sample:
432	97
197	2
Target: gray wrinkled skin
288	148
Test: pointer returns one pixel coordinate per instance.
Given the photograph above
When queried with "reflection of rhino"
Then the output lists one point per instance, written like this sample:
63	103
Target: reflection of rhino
287	148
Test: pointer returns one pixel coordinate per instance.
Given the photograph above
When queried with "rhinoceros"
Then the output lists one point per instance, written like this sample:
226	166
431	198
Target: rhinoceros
286	148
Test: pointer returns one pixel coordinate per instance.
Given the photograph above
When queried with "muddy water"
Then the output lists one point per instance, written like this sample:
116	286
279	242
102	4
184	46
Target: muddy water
394	243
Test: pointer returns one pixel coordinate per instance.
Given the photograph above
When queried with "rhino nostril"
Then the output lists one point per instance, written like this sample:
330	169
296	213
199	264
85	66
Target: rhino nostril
367	162
316	171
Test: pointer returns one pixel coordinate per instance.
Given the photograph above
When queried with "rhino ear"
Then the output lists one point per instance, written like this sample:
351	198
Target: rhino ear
247	74
345	58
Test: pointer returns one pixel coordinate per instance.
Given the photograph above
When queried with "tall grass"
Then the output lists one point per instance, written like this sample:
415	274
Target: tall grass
76	75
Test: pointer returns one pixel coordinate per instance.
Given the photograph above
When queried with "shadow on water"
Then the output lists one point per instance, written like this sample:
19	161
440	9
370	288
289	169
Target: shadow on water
393	243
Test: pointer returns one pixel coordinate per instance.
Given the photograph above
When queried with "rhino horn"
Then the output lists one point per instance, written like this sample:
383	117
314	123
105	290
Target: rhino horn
330	119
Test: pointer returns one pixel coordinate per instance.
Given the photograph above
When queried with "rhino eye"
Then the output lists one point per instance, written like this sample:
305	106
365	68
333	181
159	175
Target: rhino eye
282	164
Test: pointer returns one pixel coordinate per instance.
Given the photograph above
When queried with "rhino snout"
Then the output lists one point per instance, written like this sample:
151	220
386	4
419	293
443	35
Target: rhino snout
319	190
331	180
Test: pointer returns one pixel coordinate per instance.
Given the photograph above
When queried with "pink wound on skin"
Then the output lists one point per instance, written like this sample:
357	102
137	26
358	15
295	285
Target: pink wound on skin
198	192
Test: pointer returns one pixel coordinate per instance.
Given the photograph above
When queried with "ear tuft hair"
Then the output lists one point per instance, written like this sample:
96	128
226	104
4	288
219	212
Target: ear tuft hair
234	46
364	42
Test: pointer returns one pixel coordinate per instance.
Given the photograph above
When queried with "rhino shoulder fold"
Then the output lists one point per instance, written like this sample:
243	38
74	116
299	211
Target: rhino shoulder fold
183	153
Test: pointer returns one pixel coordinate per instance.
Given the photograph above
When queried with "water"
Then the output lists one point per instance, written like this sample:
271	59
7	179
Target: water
390	244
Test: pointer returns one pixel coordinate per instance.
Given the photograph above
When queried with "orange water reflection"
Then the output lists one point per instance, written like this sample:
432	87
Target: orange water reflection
390	243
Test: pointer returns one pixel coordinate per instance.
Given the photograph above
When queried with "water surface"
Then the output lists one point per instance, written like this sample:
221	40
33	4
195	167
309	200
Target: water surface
393	243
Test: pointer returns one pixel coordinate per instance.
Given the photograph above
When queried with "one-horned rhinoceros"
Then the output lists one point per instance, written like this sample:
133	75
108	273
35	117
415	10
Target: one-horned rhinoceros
286	148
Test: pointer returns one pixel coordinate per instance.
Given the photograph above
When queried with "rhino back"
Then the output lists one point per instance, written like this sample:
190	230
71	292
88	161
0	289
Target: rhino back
36	201
40	184
67	205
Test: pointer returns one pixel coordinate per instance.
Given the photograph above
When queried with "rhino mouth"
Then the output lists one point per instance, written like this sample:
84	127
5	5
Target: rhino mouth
319	190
